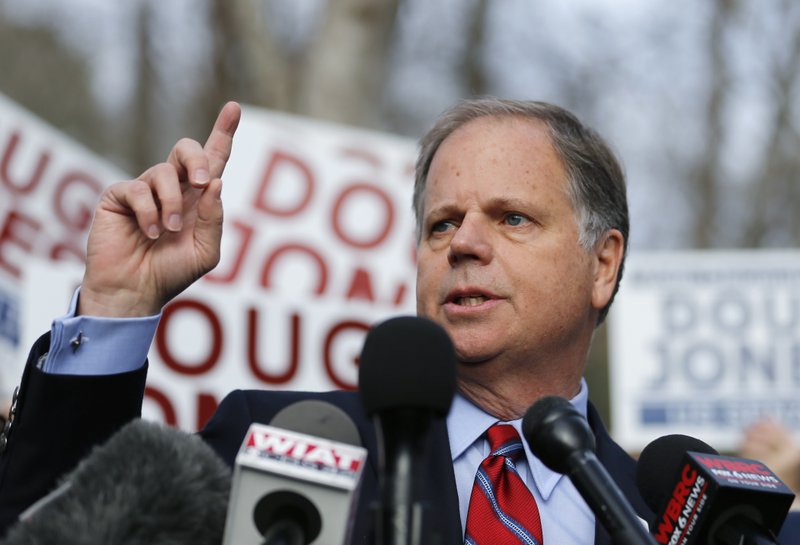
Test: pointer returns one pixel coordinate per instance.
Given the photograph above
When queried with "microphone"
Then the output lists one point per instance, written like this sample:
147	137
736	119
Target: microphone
295	481
407	377
561	438
147	484
702	497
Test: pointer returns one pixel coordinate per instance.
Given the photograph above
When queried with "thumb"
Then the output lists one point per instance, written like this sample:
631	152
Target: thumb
208	229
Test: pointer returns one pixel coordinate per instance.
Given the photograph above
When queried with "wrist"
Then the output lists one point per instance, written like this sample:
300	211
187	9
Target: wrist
119	303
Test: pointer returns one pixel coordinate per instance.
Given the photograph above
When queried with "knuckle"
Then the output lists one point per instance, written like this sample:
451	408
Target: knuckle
171	202
187	143
163	170
138	188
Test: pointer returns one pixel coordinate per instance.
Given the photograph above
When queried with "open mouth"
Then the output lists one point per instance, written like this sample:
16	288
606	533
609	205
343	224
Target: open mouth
470	300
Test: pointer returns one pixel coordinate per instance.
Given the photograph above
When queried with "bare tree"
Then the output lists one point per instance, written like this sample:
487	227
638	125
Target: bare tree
774	192
705	179
142	147
339	75
39	73
475	77
345	68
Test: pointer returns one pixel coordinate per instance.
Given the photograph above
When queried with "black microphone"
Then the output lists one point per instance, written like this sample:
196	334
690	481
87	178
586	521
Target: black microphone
561	438
704	498
148	484
295	481
407	377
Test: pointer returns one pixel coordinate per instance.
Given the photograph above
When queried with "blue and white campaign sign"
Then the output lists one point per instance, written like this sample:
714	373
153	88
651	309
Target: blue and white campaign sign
705	343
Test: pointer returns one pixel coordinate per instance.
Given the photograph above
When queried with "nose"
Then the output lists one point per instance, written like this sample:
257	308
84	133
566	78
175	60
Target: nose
471	242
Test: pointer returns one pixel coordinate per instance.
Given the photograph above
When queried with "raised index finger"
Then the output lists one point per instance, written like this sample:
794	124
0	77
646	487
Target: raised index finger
220	141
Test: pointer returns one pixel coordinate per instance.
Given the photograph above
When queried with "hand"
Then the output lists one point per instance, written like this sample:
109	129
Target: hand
153	237
772	443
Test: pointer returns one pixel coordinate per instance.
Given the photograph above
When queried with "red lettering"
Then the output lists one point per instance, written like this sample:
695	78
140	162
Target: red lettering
206	406
681	490
246	237
734	465
19	187
673	510
363	154
163	402
664	531
757	468
83	210
253	350
18	230
688	477
327	358
284	162
388	216
676	503
399	295
162	346
713	463
322	269
66	250
746	467
361	286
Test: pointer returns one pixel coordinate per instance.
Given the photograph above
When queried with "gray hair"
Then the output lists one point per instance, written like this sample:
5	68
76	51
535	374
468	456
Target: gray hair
595	180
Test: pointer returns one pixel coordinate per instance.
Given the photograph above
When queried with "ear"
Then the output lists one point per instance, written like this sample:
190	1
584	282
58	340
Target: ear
608	253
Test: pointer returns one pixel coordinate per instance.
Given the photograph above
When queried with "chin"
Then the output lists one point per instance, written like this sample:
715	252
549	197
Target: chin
473	353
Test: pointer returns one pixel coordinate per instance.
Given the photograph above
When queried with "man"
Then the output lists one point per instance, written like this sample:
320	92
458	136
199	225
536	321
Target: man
522	220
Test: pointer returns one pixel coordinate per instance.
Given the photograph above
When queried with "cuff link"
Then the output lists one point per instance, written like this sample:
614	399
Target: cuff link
77	341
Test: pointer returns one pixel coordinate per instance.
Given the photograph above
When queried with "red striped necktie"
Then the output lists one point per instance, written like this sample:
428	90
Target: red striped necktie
502	511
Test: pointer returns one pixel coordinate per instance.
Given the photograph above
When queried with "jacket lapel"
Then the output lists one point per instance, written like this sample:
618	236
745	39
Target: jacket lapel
442	486
622	469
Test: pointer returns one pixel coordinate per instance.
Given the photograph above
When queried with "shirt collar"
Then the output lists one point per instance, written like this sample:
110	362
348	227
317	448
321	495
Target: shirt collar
466	423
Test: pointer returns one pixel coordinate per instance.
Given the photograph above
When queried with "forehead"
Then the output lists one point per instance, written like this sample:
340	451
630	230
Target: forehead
503	151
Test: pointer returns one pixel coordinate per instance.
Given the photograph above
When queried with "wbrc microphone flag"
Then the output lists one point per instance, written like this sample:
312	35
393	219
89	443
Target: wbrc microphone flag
712	489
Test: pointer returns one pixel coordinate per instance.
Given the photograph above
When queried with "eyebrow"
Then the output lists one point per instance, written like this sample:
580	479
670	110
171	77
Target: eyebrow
509	203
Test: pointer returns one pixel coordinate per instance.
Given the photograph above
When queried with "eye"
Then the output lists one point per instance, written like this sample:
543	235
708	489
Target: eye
441	226
515	220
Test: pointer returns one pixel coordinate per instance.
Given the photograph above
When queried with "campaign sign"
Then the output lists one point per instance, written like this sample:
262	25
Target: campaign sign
703	344
49	185
318	245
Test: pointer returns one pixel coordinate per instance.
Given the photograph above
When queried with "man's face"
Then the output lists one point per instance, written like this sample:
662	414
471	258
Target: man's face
499	263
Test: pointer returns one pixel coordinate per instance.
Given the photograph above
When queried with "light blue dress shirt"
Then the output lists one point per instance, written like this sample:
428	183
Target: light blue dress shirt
566	518
87	345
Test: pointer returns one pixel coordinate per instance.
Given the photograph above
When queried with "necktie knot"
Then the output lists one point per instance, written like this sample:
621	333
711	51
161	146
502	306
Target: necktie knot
502	511
504	441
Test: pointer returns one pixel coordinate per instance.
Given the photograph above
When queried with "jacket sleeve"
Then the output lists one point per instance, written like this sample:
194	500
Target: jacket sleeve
54	423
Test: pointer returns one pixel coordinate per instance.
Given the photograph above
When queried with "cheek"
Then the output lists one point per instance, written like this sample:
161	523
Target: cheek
554	282
426	287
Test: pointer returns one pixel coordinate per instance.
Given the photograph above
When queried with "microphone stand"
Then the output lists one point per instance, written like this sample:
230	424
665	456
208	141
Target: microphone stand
400	517
285	532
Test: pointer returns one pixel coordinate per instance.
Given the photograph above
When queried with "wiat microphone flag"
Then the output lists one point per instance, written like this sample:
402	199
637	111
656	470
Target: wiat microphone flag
325	474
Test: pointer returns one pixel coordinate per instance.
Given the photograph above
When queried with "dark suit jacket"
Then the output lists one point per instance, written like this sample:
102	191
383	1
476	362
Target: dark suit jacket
59	418
790	533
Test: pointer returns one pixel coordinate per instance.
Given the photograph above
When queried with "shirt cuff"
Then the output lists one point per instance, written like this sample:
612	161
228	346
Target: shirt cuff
91	345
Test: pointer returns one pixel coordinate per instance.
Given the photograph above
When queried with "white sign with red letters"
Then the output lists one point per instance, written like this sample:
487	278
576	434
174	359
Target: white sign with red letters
318	245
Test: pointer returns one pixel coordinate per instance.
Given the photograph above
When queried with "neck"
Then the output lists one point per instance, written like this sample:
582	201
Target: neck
510	399
507	384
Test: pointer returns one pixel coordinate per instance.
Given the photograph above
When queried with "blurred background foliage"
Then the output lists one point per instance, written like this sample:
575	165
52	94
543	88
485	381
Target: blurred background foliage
700	98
